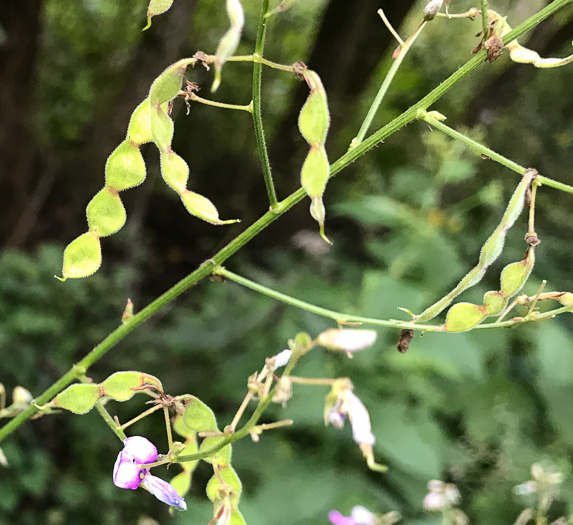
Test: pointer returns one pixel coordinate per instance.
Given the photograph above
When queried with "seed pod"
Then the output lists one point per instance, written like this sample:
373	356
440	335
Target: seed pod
125	167
122	386
566	299
79	399
494	303
167	85
314	173
161	129
221	457
199	417
175	171
314	118
228	477
464	316
203	208
515	275
139	129
82	257
490	251
230	41
105	213
156	7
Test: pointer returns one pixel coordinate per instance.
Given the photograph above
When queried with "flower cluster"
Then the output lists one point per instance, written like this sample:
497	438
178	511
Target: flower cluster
128	474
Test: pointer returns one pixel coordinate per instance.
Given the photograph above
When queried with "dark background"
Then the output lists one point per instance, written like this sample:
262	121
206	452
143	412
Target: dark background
407	221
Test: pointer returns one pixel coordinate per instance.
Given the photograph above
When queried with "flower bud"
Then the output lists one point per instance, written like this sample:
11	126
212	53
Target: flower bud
432	8
347	340
21	396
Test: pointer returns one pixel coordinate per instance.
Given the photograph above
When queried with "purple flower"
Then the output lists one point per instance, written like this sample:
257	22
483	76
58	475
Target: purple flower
137	450
127	474
163	491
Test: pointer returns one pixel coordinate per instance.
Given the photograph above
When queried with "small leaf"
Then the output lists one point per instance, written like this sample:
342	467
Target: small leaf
78	399
82	257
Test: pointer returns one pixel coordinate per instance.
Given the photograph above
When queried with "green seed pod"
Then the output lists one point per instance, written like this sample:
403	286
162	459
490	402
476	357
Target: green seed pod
199	417
175	171
78	399
203	208
82	257
314	118
464	316
515	275
156	7
228	476
105	212
222	457
139	129
494	303
161	128
167	85
122	386
566	299
125	167
314	173
230	41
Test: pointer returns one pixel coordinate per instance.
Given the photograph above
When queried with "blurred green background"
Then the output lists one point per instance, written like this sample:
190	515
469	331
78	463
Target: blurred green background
407	221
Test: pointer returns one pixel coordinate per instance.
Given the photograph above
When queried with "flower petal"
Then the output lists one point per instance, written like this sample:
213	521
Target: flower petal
140	449
126	474
360	420
338	519
163	491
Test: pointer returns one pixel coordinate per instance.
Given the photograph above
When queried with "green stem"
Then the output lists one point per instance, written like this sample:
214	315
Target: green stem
257	111
206	268
404	48
339	317
484	20
480	148
197	98
109	420
260	60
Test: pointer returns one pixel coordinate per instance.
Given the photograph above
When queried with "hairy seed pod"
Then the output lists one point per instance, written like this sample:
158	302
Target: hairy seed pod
175	171
217	484
161	129
494	303
167	85
490	251
515	275
156	7
202	207
82	257
566	299
464	316
105	213
222	457
125	167
314	118
199	417
139	128
230	41
314	173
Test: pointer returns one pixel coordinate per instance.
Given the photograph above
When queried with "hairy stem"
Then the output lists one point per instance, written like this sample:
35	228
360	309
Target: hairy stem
257	111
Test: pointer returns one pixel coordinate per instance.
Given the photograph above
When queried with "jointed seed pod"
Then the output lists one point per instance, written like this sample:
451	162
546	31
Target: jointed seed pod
230	41
490	251
156	7
464	316
313	124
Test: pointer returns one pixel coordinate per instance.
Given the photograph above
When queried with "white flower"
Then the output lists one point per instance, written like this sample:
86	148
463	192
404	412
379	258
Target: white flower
347	340
282	358
432	8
